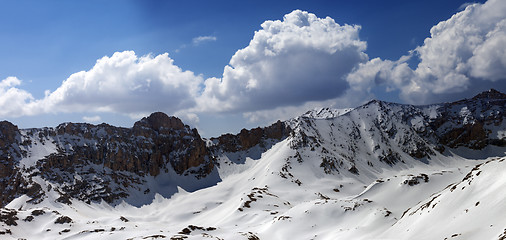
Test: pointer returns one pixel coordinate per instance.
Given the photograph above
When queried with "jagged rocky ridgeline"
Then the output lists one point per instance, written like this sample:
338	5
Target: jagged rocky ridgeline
154	144
102	162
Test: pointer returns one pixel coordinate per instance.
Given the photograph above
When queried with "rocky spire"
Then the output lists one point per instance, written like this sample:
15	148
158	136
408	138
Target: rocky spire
159	120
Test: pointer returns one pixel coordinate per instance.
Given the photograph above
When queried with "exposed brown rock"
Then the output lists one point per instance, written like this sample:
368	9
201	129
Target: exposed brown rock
11	182
159	121
247	139
8	133
63	220
144	149
490	94
471	135
159	143
155	144
9	217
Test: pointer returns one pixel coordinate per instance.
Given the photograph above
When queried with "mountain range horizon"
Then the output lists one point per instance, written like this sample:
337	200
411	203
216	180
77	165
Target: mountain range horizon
491	91
380	170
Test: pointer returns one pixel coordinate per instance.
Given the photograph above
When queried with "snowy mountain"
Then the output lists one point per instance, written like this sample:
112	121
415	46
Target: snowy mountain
379	171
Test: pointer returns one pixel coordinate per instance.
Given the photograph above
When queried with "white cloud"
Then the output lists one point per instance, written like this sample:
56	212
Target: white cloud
287	63
290	66
125	83
489	58
200	39
189	118
92	119
13	100
463	53
122	83
464	5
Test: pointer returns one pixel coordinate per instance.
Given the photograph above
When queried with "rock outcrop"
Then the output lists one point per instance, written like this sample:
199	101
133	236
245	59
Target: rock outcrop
471	122
386	134
247	139
12	182
102	162
9	179
147	148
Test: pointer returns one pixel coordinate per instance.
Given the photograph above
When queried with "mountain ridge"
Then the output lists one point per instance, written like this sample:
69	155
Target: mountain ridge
162	158
158	129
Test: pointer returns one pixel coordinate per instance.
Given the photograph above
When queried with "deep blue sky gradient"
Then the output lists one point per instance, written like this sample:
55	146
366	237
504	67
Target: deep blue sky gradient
44	42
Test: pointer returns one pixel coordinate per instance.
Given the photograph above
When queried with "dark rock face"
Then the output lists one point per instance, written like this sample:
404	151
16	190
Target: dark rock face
101	162
247	139
467	122
146	148
9	179
8	134
490	94
172	140
160	122
12	182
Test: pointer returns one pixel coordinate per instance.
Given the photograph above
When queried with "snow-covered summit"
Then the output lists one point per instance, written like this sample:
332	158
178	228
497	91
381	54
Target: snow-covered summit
372	171
325	113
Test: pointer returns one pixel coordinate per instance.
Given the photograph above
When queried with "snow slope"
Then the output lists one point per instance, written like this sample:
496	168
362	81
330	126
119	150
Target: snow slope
379	171
258	202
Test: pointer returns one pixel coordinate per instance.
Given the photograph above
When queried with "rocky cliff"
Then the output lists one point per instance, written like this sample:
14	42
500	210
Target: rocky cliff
102	162
247	139
98	162
473	123
385	134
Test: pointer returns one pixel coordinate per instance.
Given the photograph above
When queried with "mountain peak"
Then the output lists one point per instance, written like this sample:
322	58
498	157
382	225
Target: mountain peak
158	120
266	180
7	125
325	113
490	94
7	132
375	101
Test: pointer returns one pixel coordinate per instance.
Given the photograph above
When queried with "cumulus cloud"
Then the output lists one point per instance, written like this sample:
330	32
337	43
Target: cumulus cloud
291	65
13	101
125	83
200	39
489	58
287	63
462	53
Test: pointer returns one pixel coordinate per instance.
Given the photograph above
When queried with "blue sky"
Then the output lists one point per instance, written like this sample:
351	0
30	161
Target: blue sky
183	58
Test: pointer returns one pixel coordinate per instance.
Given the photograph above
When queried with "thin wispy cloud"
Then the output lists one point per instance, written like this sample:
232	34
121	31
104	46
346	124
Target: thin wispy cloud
201	39
196	41
92	119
